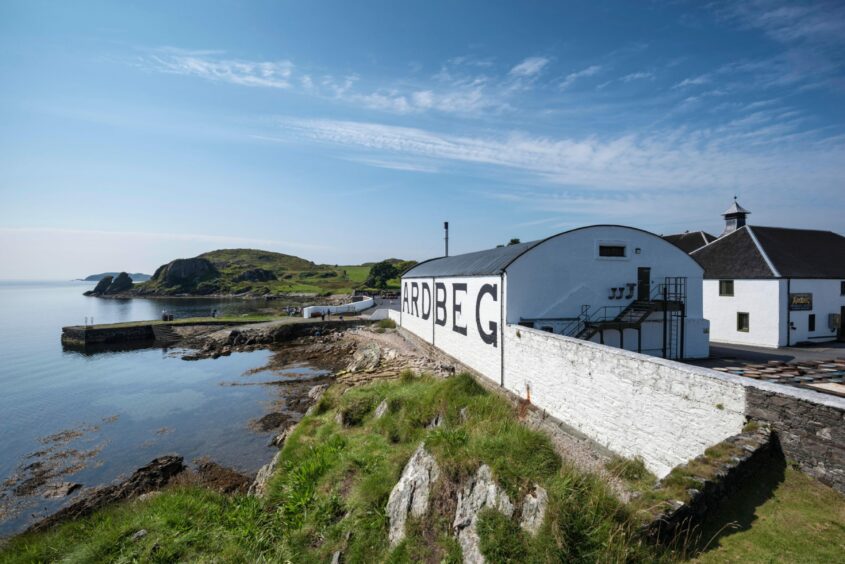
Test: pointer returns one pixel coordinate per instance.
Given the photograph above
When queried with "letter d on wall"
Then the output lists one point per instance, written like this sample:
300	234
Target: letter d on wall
491	337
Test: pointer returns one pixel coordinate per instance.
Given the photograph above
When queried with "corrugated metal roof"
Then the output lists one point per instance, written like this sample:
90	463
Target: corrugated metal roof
479	263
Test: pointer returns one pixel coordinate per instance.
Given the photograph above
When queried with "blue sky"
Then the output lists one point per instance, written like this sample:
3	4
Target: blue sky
132	133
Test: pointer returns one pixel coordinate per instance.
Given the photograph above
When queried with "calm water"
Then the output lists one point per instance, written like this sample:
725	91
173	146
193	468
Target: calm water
125	408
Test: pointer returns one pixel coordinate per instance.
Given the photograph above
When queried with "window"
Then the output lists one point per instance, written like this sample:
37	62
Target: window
726	287
811	322
742	322
842	288
611	250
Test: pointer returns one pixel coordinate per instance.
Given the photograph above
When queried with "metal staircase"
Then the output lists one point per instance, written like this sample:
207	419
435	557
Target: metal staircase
668	298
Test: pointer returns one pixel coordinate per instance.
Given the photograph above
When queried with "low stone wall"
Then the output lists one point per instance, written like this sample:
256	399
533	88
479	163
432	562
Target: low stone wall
353	307
809	425
79	335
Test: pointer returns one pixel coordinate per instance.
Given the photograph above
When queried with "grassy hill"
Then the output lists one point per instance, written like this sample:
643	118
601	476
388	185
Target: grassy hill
255	272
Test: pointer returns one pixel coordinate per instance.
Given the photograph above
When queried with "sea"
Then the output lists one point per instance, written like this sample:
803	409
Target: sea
92	418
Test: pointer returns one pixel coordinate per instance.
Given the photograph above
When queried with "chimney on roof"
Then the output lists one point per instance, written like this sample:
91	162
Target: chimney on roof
734	218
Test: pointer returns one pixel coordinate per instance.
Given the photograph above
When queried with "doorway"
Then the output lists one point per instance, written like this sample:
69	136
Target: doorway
643	283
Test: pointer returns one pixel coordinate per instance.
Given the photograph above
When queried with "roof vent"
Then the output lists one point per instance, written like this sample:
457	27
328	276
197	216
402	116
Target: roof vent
734	217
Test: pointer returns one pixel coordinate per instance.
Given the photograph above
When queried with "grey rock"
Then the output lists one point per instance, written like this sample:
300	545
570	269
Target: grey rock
56	491
279	440
410	495
381	409
259	486
464	413
534	510
138	535
366	357
336	557
479	493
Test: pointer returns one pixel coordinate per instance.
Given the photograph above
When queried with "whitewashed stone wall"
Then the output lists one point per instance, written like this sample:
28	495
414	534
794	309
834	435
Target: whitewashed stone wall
635	405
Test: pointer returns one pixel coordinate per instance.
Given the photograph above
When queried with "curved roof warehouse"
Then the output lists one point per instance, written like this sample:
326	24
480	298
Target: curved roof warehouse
612	284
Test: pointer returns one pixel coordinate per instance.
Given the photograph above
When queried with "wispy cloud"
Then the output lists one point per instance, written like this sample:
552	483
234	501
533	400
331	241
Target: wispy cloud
815	22
642	75
208	65
674	159
571	78
531	66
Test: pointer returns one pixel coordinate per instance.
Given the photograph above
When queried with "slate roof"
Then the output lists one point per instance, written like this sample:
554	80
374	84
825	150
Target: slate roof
480	263
803	253
691	240
774	252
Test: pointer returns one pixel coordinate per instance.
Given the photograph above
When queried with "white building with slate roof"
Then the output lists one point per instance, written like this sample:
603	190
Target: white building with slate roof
772	286
609	284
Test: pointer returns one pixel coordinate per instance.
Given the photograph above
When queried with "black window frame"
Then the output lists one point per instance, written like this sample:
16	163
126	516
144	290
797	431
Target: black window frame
811	322
842	288
739	325
725	294
602	248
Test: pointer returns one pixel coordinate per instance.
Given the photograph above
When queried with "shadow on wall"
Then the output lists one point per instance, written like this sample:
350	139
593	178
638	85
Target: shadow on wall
738	512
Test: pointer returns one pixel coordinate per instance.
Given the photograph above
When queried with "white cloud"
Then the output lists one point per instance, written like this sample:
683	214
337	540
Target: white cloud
673	159
572	77
208	65
637	76
531	66
694	81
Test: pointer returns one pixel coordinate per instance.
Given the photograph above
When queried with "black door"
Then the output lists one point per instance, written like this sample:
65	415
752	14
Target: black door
841	332
643	283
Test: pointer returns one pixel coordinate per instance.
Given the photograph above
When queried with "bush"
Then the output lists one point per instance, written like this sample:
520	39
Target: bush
386	324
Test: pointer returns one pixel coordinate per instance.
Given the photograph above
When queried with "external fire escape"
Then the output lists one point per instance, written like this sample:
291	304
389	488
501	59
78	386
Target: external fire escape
668	298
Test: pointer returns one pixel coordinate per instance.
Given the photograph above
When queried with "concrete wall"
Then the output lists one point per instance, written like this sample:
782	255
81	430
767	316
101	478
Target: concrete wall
635	405
827	299
353	307
761	299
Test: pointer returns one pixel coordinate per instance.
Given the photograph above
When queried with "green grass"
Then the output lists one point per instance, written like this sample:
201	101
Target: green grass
332	489
789	518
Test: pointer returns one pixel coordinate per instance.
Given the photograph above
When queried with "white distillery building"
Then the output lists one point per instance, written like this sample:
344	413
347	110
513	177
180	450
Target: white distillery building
531	318
773	286
609	284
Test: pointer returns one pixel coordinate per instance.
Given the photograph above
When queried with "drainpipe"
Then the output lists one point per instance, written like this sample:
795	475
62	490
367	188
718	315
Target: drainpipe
788	313
502	322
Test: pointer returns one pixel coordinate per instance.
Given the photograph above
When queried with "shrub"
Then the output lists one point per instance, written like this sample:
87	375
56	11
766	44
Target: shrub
387	324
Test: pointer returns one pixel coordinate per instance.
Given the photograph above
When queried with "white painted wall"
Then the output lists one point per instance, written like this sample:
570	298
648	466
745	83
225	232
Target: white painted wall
635	405
763	300
353	307
827	299
469	348
558	277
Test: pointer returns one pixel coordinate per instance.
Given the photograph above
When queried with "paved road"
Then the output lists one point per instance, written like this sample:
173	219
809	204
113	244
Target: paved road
730	355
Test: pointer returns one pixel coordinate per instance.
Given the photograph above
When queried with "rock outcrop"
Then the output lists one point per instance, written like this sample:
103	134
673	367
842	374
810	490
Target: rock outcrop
122	283
101	287
534	510
479	493
153	476
111	285
255	275
365	357
262	479
184	274
410	495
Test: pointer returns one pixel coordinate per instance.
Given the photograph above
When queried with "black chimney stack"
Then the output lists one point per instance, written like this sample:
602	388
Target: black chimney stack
446	228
